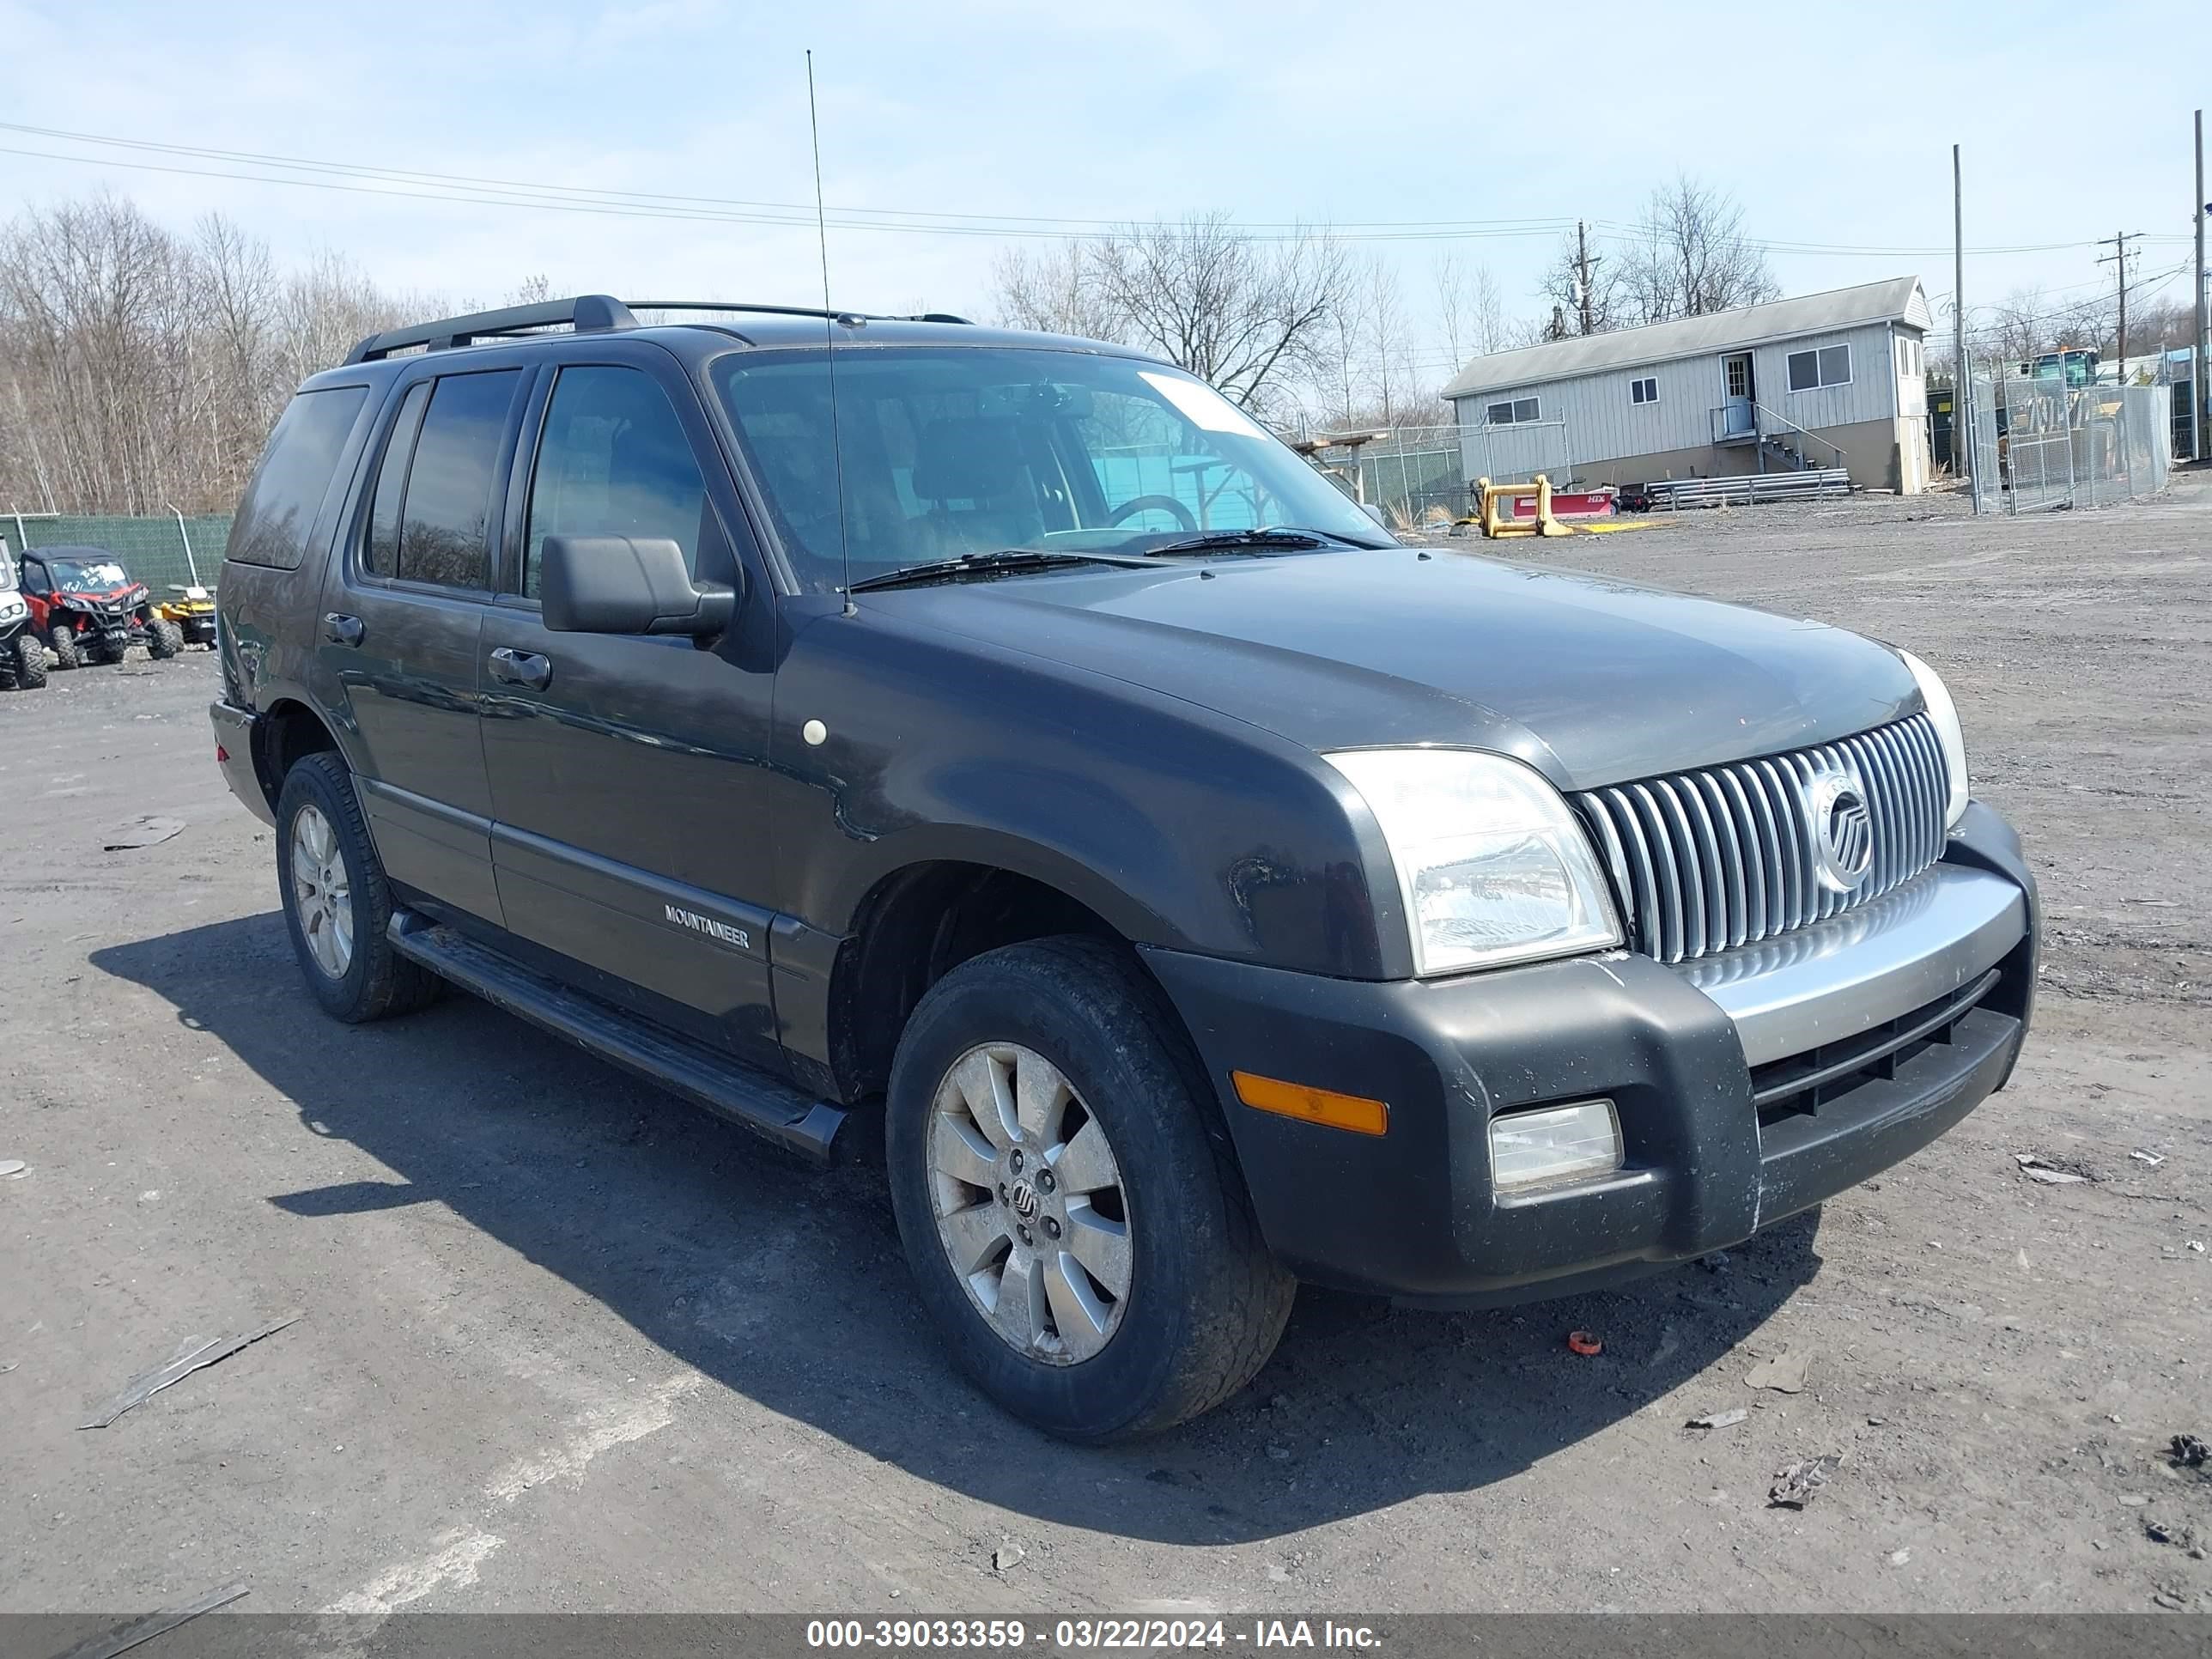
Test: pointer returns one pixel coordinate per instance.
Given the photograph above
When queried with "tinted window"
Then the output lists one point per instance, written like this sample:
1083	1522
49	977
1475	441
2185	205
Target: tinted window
278	513
380	553
613	461
444	529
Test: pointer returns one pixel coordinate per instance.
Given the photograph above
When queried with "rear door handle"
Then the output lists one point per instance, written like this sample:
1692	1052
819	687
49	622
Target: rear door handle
342	630
521	668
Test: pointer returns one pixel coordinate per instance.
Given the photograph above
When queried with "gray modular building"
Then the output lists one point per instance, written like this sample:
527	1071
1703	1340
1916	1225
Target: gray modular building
1823	379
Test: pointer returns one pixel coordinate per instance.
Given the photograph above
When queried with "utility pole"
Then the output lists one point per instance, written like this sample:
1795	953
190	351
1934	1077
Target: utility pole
1583	263
1961	415
2200	398
2118	260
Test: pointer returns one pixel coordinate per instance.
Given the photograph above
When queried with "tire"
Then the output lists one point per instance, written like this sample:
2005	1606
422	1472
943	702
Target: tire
64	644
371	979
164	639
1204	1302
27	661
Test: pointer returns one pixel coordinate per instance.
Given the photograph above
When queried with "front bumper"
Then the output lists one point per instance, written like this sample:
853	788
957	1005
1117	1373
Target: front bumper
1749	1085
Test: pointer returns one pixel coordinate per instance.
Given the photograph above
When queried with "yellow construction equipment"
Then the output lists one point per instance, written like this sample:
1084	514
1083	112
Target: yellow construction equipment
1491	497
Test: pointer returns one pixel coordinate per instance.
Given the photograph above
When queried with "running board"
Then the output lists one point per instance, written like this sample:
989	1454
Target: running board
725	1086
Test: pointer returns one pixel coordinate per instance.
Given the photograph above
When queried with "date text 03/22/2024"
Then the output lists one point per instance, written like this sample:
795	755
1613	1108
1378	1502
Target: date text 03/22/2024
1086	1635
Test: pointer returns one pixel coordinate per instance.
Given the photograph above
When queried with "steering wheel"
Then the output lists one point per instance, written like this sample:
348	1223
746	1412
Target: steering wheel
1167	504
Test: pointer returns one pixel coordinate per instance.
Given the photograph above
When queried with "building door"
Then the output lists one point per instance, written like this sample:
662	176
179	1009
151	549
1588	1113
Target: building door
1742	394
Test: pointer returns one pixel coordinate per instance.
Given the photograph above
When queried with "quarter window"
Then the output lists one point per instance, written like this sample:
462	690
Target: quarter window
1824	366
278	510
1646	391
613	461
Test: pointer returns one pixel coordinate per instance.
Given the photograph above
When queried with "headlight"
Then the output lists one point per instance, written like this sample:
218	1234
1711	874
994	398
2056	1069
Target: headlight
1493	865
1945	714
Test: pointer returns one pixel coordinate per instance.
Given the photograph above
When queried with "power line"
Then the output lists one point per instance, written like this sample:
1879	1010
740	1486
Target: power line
476	190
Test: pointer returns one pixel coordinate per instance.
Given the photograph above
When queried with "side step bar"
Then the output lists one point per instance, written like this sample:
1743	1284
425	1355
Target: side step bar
725	1086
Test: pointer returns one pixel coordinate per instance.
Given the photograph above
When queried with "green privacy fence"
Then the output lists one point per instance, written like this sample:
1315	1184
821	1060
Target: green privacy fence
151	549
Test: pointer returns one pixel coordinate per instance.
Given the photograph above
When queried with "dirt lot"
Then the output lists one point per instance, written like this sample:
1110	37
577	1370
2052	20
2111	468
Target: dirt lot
569	1344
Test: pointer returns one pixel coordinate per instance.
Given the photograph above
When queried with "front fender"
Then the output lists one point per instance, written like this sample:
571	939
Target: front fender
1181	826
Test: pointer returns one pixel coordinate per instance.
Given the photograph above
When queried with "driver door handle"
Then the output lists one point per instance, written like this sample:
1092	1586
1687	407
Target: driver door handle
521	668
342	630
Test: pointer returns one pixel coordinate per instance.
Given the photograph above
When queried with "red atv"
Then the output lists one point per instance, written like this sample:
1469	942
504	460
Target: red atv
87	608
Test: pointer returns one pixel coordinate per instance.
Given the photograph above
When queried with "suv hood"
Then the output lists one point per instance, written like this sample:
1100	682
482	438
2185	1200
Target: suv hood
1592	681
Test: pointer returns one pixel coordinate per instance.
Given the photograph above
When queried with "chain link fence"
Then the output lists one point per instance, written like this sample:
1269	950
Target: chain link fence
2039	444
155	551
1422	474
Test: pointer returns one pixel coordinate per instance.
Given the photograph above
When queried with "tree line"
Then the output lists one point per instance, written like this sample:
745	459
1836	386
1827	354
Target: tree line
142	368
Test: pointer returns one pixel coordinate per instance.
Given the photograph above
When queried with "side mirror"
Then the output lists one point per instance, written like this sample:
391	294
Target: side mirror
628	585
1375	513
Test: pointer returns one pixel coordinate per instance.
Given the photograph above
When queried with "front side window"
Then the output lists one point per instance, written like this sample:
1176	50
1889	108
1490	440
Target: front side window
950	451
431	517
613	461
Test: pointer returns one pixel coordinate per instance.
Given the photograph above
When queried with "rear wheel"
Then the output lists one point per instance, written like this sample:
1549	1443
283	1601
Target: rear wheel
164	639
1075	1227
337	903
27	661
67	653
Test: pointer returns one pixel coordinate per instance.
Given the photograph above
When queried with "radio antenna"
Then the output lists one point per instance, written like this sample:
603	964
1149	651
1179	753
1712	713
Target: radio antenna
829	340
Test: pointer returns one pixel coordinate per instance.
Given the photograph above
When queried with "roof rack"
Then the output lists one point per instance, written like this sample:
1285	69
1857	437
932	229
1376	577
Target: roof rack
843	316
586	313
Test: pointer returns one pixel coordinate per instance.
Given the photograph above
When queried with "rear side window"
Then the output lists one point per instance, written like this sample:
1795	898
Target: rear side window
614	461
278	513
429	520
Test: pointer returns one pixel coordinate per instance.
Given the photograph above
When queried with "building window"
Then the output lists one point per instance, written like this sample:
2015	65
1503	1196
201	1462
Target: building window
1646	391
1510	414
1826	366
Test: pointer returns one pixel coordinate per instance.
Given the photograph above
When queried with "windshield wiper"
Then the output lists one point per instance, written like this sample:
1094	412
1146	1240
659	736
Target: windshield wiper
1289	537
1012	561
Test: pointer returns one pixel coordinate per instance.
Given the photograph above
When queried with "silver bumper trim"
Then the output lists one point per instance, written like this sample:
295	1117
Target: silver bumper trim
1847	975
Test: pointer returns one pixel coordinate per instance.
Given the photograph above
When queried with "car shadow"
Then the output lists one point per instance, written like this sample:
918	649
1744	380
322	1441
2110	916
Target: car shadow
789	1286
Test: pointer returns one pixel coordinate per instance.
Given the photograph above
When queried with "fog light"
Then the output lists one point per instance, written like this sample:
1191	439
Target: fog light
1560	1143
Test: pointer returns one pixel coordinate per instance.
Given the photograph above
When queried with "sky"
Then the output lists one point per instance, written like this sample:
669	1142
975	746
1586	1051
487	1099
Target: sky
972	126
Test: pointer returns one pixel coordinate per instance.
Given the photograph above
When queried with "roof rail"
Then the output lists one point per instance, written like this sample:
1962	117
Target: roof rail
841	315
585	313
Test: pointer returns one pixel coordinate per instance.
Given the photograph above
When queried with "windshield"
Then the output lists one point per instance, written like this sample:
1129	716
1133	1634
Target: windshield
952	450
7	569
85	575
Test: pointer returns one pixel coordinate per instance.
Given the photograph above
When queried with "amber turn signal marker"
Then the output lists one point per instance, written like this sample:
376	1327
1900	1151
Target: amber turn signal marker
1354	1112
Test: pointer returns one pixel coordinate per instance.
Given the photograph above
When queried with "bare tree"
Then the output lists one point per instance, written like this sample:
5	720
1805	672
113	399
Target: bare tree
1244	313
1688	256
140	369
1237	311
1055	290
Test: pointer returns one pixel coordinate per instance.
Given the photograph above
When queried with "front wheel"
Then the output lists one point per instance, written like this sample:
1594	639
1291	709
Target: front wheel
67	653
27	659
164	639
337	904
1076	1226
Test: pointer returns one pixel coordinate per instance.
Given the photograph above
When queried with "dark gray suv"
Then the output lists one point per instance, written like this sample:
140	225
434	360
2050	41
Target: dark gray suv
995	750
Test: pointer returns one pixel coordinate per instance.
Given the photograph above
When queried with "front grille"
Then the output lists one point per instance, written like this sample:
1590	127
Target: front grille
1705	861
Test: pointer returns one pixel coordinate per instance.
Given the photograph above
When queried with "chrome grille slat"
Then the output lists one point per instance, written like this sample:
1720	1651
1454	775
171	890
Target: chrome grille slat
1710	860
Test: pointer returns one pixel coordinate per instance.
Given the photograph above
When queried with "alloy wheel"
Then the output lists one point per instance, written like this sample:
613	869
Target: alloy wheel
323	895
1029	1203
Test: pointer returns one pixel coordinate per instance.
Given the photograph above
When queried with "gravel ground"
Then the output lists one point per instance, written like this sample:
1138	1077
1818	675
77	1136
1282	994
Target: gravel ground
569	1344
